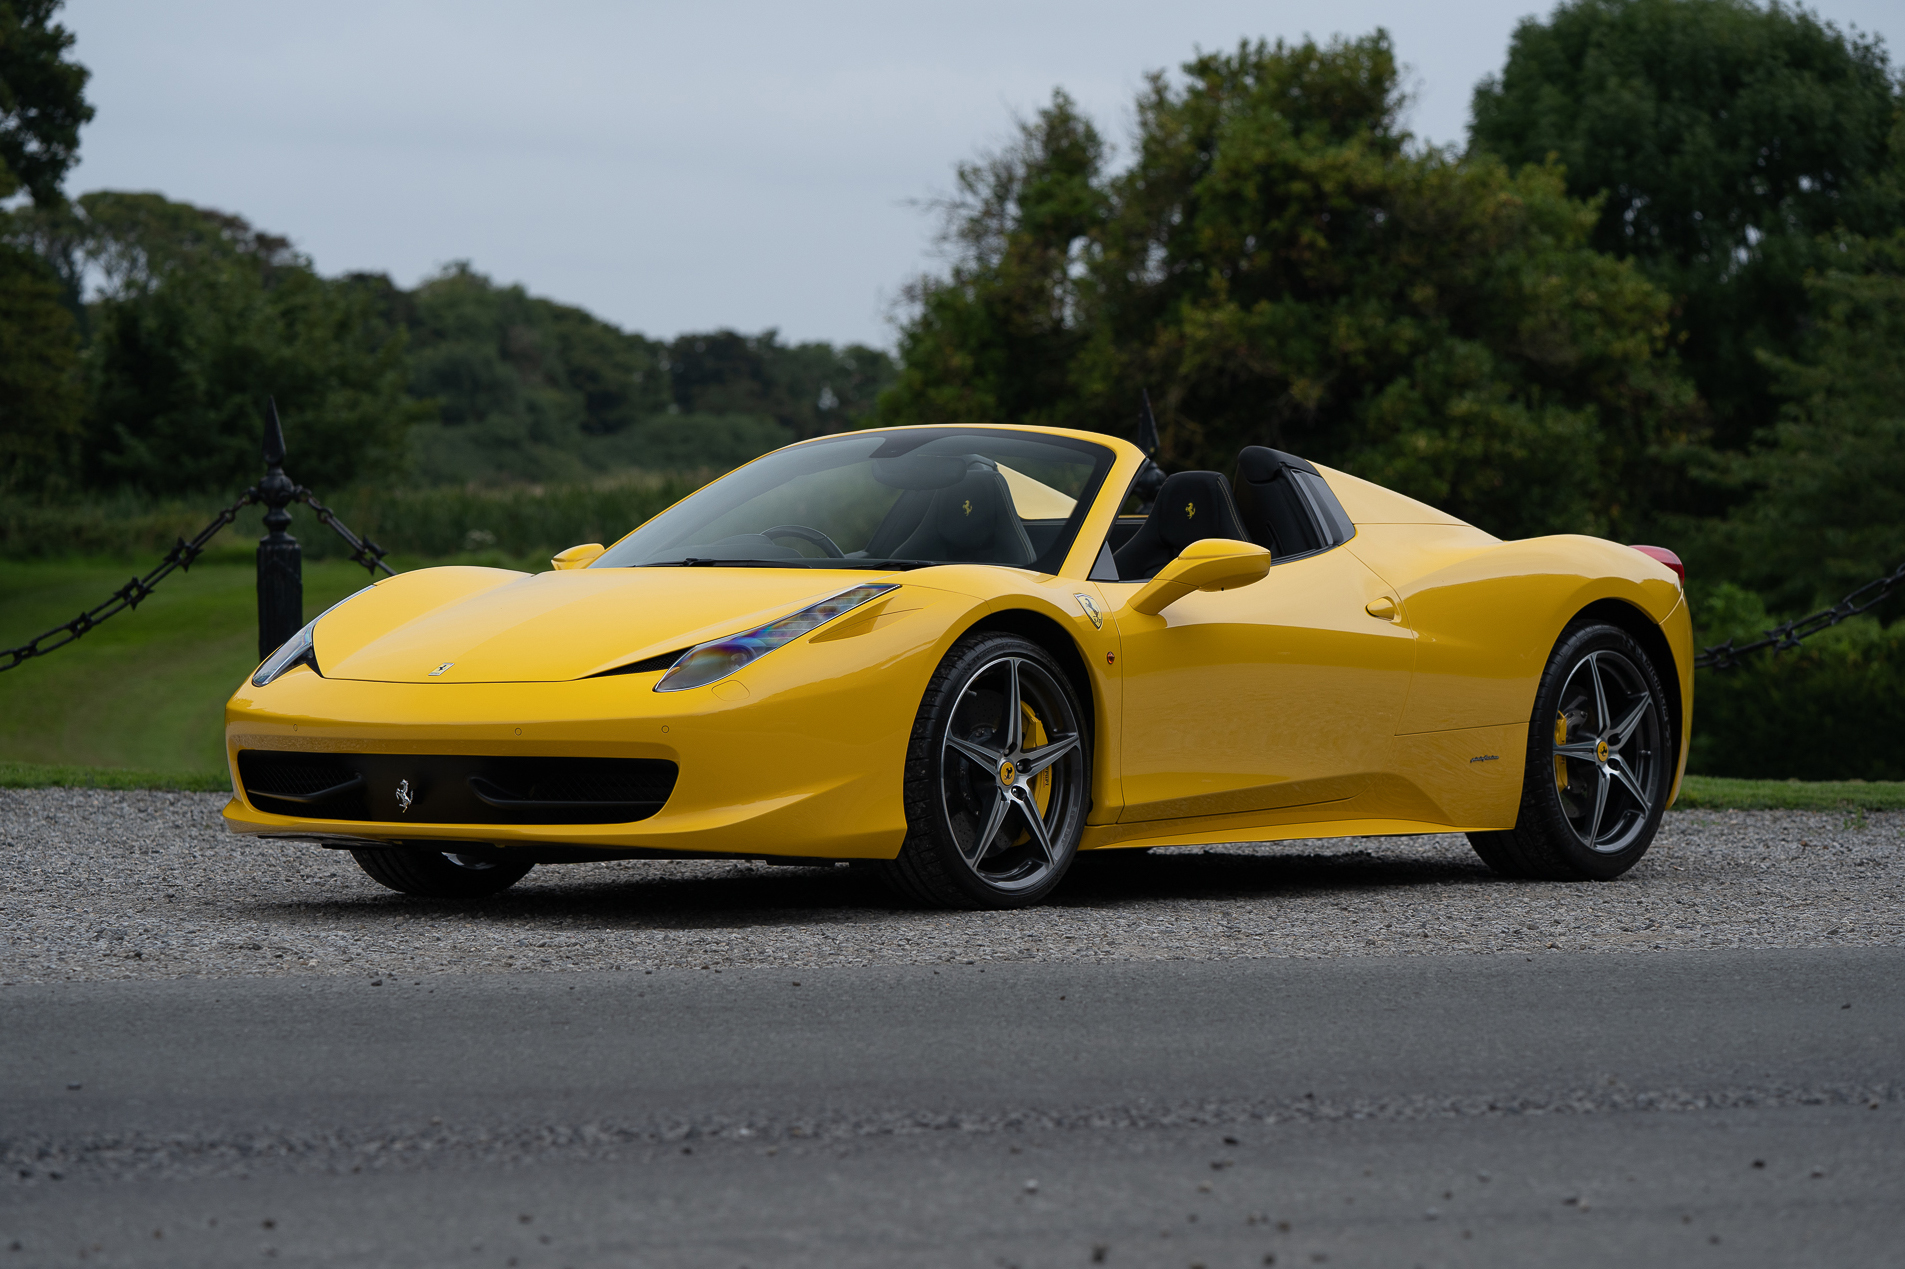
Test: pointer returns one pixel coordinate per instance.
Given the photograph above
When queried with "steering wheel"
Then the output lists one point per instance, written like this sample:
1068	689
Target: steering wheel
806	534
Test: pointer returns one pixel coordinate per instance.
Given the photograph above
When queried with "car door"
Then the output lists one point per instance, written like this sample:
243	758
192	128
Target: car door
1281	693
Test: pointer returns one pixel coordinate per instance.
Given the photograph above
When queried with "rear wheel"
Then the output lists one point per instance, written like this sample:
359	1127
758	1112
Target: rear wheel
997	779
435	875
1600	763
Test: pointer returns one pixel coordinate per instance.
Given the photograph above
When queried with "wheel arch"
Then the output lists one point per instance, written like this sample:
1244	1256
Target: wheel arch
1035	626
1646	632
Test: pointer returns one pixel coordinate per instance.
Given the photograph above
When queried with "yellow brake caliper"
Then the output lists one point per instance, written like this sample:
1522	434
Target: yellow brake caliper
1034	738
1560	763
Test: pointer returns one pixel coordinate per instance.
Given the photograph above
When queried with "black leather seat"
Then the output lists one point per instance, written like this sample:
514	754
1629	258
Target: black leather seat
1286	504
1192	506
1273	511
972	521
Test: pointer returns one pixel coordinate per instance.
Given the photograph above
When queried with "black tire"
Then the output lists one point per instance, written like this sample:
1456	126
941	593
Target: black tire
969	770
434	875
1601	759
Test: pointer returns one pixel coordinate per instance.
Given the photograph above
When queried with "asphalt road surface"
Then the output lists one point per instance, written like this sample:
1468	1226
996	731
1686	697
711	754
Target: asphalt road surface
1675	1107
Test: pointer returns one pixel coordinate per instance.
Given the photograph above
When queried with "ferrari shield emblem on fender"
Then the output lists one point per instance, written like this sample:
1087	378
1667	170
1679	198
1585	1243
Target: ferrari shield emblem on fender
1091	610
403	796
441	668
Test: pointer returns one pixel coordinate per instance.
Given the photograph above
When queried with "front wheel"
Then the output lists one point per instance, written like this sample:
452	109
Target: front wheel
434	875
1600	763
998	775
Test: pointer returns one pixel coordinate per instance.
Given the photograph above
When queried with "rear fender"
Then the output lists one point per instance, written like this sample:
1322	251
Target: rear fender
1487	623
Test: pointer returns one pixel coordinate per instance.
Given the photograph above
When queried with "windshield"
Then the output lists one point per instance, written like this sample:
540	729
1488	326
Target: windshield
884	500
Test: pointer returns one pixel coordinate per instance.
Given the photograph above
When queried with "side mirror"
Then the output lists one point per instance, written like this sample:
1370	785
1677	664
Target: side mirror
1210	564
578	556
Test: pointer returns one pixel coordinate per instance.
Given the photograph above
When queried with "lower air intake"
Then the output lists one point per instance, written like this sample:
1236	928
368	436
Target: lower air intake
455	789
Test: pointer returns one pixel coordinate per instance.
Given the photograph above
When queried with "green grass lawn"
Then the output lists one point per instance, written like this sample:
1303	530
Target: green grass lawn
1708	793
146	690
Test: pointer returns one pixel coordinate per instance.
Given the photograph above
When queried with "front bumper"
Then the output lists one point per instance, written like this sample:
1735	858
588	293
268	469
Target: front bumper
771	763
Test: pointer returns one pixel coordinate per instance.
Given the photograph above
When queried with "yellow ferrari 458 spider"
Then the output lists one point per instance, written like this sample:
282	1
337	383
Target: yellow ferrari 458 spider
953	654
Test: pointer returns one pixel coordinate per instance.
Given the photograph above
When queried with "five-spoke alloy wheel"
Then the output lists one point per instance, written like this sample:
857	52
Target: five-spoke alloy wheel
1600	763
997	778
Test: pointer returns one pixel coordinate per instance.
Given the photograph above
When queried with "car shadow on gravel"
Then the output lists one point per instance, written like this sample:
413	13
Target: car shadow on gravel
1126	877
749	895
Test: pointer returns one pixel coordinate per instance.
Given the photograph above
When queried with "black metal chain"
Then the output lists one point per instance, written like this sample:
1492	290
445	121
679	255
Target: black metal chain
363	550
1724	656
179	557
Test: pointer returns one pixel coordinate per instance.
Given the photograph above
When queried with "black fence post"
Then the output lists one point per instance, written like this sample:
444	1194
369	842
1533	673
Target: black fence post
280	560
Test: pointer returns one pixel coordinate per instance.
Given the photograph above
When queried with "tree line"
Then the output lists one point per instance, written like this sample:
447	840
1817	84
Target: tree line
139	338
146	333
1658	293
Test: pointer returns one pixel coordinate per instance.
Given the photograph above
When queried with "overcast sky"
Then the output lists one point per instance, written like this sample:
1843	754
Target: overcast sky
669	167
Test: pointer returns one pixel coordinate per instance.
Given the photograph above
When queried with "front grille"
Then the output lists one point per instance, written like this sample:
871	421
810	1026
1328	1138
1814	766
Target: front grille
455	789
299	779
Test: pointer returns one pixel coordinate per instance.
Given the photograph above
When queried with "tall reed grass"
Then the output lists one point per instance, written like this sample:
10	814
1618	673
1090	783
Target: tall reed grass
428	523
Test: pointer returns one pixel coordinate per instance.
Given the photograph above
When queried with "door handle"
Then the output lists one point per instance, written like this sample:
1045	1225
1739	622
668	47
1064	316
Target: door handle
1383	609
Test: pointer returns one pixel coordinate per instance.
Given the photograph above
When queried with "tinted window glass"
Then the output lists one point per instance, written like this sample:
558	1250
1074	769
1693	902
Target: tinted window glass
919	496
1329	513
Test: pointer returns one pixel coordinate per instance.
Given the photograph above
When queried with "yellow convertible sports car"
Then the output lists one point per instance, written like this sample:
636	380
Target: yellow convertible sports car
957	655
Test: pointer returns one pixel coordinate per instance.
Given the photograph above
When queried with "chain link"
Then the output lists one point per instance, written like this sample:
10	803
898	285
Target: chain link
179	558
1724	656
363	550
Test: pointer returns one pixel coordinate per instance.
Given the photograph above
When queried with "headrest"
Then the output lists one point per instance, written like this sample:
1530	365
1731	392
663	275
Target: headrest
1194	505
967	513
1260	464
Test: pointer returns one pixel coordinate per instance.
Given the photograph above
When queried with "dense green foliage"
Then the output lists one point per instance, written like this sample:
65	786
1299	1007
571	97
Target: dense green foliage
42	100
521	524
208	318
1823	497
189	319
536	390
809	389
41	399
42	105
1723	140
1832	709
1279	266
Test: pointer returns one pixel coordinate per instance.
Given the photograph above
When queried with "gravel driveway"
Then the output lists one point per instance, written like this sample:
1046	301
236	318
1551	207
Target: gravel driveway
100	884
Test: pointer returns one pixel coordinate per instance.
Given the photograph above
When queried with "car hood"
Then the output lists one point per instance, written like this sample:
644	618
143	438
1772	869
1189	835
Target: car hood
481	625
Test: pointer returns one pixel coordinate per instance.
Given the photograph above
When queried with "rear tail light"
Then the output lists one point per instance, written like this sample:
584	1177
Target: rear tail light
1668	558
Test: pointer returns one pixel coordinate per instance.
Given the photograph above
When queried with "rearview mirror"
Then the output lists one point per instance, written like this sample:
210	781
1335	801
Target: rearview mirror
578	556
1210	564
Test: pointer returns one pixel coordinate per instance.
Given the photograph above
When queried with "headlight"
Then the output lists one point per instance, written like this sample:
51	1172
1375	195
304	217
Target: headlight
298	649
706	662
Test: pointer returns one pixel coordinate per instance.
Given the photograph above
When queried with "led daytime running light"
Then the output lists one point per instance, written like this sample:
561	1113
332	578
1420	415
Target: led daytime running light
289	653
709	662
299	648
